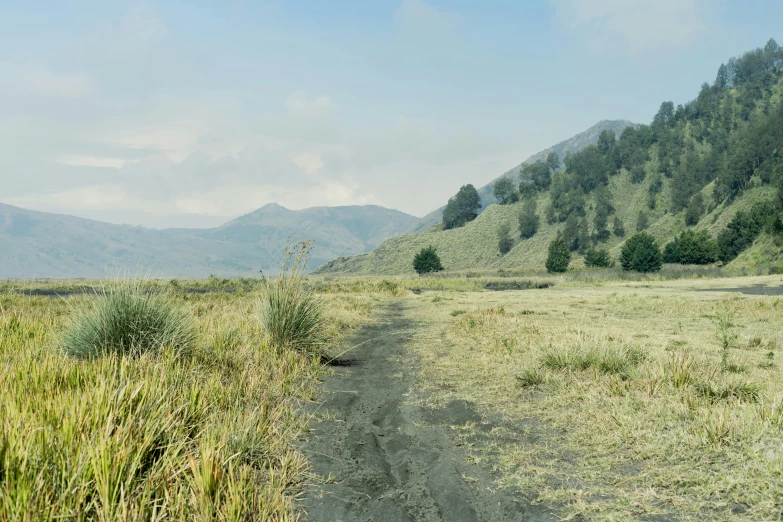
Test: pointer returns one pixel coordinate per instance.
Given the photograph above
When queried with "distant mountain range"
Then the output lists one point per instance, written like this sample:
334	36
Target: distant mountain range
39	244
569	146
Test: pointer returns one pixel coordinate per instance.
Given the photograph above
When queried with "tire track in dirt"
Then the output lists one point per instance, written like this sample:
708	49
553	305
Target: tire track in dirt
383	460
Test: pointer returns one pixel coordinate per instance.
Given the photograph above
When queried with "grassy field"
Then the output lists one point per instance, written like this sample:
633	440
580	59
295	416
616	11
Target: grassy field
606	395
201	435
618	400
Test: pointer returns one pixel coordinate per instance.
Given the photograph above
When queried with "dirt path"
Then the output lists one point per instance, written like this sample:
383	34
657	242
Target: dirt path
383	460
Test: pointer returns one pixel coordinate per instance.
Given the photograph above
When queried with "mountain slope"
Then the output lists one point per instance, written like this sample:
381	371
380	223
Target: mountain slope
700	163
38	244
569	146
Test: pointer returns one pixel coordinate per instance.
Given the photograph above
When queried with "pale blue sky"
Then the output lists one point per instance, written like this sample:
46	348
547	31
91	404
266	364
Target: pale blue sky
189	113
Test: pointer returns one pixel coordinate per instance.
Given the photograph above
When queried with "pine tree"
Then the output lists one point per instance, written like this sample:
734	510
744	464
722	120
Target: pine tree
559	256
641	253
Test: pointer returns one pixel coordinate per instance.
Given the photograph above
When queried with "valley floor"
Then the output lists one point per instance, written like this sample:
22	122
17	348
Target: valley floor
615	400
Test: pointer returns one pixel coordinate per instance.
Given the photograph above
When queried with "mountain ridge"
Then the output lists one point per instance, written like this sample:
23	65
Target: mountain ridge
41	244
573	144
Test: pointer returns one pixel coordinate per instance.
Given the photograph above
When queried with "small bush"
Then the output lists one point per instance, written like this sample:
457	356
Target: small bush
597	257
291	315
427	261
128	319
641	253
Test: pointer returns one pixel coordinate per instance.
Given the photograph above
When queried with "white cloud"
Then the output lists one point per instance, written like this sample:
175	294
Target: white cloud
299	104
638	26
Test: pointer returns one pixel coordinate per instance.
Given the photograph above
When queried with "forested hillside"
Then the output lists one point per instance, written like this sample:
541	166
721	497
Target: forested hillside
713	164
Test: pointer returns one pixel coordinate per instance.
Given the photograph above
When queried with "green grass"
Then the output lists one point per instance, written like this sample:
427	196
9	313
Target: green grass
207	434
129	318
291	314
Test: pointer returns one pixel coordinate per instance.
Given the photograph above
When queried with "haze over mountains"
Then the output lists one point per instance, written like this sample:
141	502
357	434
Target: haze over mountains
39	244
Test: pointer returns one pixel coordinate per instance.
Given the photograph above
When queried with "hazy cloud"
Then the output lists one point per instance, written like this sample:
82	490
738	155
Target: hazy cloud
630	27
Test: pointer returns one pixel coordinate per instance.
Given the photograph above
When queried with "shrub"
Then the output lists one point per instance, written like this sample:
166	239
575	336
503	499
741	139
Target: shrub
128	318
427	261
559	255
292	316
597	257
691	248
641	253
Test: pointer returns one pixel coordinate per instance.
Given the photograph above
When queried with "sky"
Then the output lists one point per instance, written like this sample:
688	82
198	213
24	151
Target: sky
189	113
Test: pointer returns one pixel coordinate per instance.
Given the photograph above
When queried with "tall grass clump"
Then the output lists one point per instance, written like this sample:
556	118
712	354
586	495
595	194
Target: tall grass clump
292	315
128	318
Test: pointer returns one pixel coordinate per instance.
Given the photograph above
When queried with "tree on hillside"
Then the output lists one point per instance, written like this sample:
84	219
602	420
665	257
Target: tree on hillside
606	141
461	208
528	219
553	160
505	241
618	228
426	261
559	256
505	192
642	223
641	253
600	225
695	210
539	173
571	232
583	238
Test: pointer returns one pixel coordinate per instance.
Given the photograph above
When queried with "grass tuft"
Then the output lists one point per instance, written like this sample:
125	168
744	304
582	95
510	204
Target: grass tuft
128	318
292	315
742	391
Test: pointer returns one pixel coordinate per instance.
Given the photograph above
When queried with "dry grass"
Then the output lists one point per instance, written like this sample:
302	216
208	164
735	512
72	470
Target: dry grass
612	395
207	436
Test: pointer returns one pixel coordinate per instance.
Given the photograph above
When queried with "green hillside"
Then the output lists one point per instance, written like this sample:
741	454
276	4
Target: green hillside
38	244
711	158
562	149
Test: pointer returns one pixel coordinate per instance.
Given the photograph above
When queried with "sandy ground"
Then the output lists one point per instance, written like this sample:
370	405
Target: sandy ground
380	457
